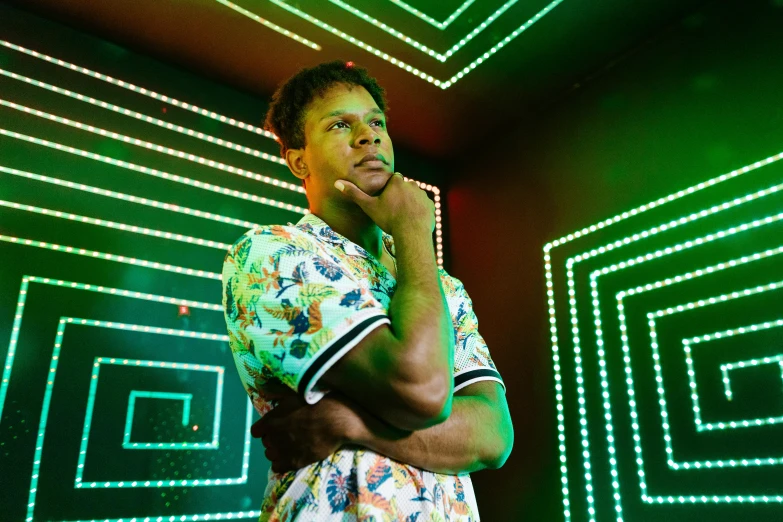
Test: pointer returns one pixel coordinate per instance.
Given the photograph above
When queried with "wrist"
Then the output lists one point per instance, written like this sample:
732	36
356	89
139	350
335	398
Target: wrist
410	228
350	427
355	431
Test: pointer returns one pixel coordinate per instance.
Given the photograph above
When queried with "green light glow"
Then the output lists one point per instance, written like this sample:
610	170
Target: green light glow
140	90
167	150
160	97
440	25
159	122
24	289
441	57
171	207
155	172
147	118
659	378
111	257
570	264
443	84
186	399
156	147
64	321
599	334
548	248
126	441
118	226
726	368
745	423
270	25
652	316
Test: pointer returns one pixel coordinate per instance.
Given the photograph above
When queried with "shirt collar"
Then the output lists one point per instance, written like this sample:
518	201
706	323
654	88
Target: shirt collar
316	226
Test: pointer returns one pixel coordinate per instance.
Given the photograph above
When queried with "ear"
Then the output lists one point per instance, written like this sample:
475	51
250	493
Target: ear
295	160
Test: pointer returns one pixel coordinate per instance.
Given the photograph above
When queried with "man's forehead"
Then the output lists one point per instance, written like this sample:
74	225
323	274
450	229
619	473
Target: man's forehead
340	112
340	100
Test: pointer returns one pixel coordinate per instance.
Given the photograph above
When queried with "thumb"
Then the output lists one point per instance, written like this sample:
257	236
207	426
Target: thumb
353	192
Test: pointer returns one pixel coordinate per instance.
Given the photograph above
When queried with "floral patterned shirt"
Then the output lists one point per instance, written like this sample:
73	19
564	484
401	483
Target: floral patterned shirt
296	299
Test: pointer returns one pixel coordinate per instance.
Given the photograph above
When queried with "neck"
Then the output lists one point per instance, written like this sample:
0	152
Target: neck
355	225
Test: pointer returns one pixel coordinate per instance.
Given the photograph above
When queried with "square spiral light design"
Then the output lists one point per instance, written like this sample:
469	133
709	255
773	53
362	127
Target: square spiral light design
629	399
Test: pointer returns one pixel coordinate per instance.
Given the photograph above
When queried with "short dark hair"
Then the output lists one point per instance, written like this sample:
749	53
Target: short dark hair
286	114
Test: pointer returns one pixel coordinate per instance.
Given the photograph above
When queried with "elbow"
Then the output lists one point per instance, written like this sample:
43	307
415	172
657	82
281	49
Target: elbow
428	403
497	459
498	451
436	406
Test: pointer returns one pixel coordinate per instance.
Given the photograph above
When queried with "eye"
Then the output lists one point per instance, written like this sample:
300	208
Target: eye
382	123
338	123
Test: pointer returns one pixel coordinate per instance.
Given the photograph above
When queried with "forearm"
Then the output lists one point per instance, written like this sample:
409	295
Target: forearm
420	317
467	441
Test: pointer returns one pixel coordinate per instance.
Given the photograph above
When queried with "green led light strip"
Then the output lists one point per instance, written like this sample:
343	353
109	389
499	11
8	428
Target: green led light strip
357	42
651	318
111	257
599	335
188	181
64	321
146	118
186	399
402	65
155	172
171	207
725	368
185	210
270	25
570	267
440	25
189	157
140	90
127	444
551	299
173	101
745	423
421	47
118	226
202	185
659	378
155	147
23	290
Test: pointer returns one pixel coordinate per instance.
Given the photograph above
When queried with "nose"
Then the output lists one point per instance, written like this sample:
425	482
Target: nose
367	136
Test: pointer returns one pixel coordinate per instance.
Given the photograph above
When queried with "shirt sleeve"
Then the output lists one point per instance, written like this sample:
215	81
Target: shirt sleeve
472	361
291	310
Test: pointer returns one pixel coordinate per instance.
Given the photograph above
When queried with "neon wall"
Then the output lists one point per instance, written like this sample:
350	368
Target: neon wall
645	339
122	183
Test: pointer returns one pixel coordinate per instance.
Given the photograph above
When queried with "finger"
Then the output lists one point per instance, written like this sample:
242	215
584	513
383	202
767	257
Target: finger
258	429
353	192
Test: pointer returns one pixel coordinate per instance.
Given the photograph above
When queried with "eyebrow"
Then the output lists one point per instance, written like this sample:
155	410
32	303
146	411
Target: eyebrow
341	112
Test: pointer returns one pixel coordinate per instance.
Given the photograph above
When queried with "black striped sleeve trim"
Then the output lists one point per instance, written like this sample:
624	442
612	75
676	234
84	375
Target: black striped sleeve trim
325	356
482	374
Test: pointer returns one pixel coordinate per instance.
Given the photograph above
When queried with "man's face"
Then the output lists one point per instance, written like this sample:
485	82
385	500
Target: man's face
341	128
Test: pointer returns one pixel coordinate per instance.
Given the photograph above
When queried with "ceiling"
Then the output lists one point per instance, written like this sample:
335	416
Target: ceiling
456	72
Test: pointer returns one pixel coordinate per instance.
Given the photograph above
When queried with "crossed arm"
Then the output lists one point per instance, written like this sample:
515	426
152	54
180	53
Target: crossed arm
477	435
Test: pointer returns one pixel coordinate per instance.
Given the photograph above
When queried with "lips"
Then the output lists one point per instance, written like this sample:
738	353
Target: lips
372	160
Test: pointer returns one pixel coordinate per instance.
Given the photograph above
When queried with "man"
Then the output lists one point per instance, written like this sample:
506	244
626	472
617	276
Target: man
377	394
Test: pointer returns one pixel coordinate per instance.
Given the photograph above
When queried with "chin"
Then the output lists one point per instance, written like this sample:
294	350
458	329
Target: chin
373	181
